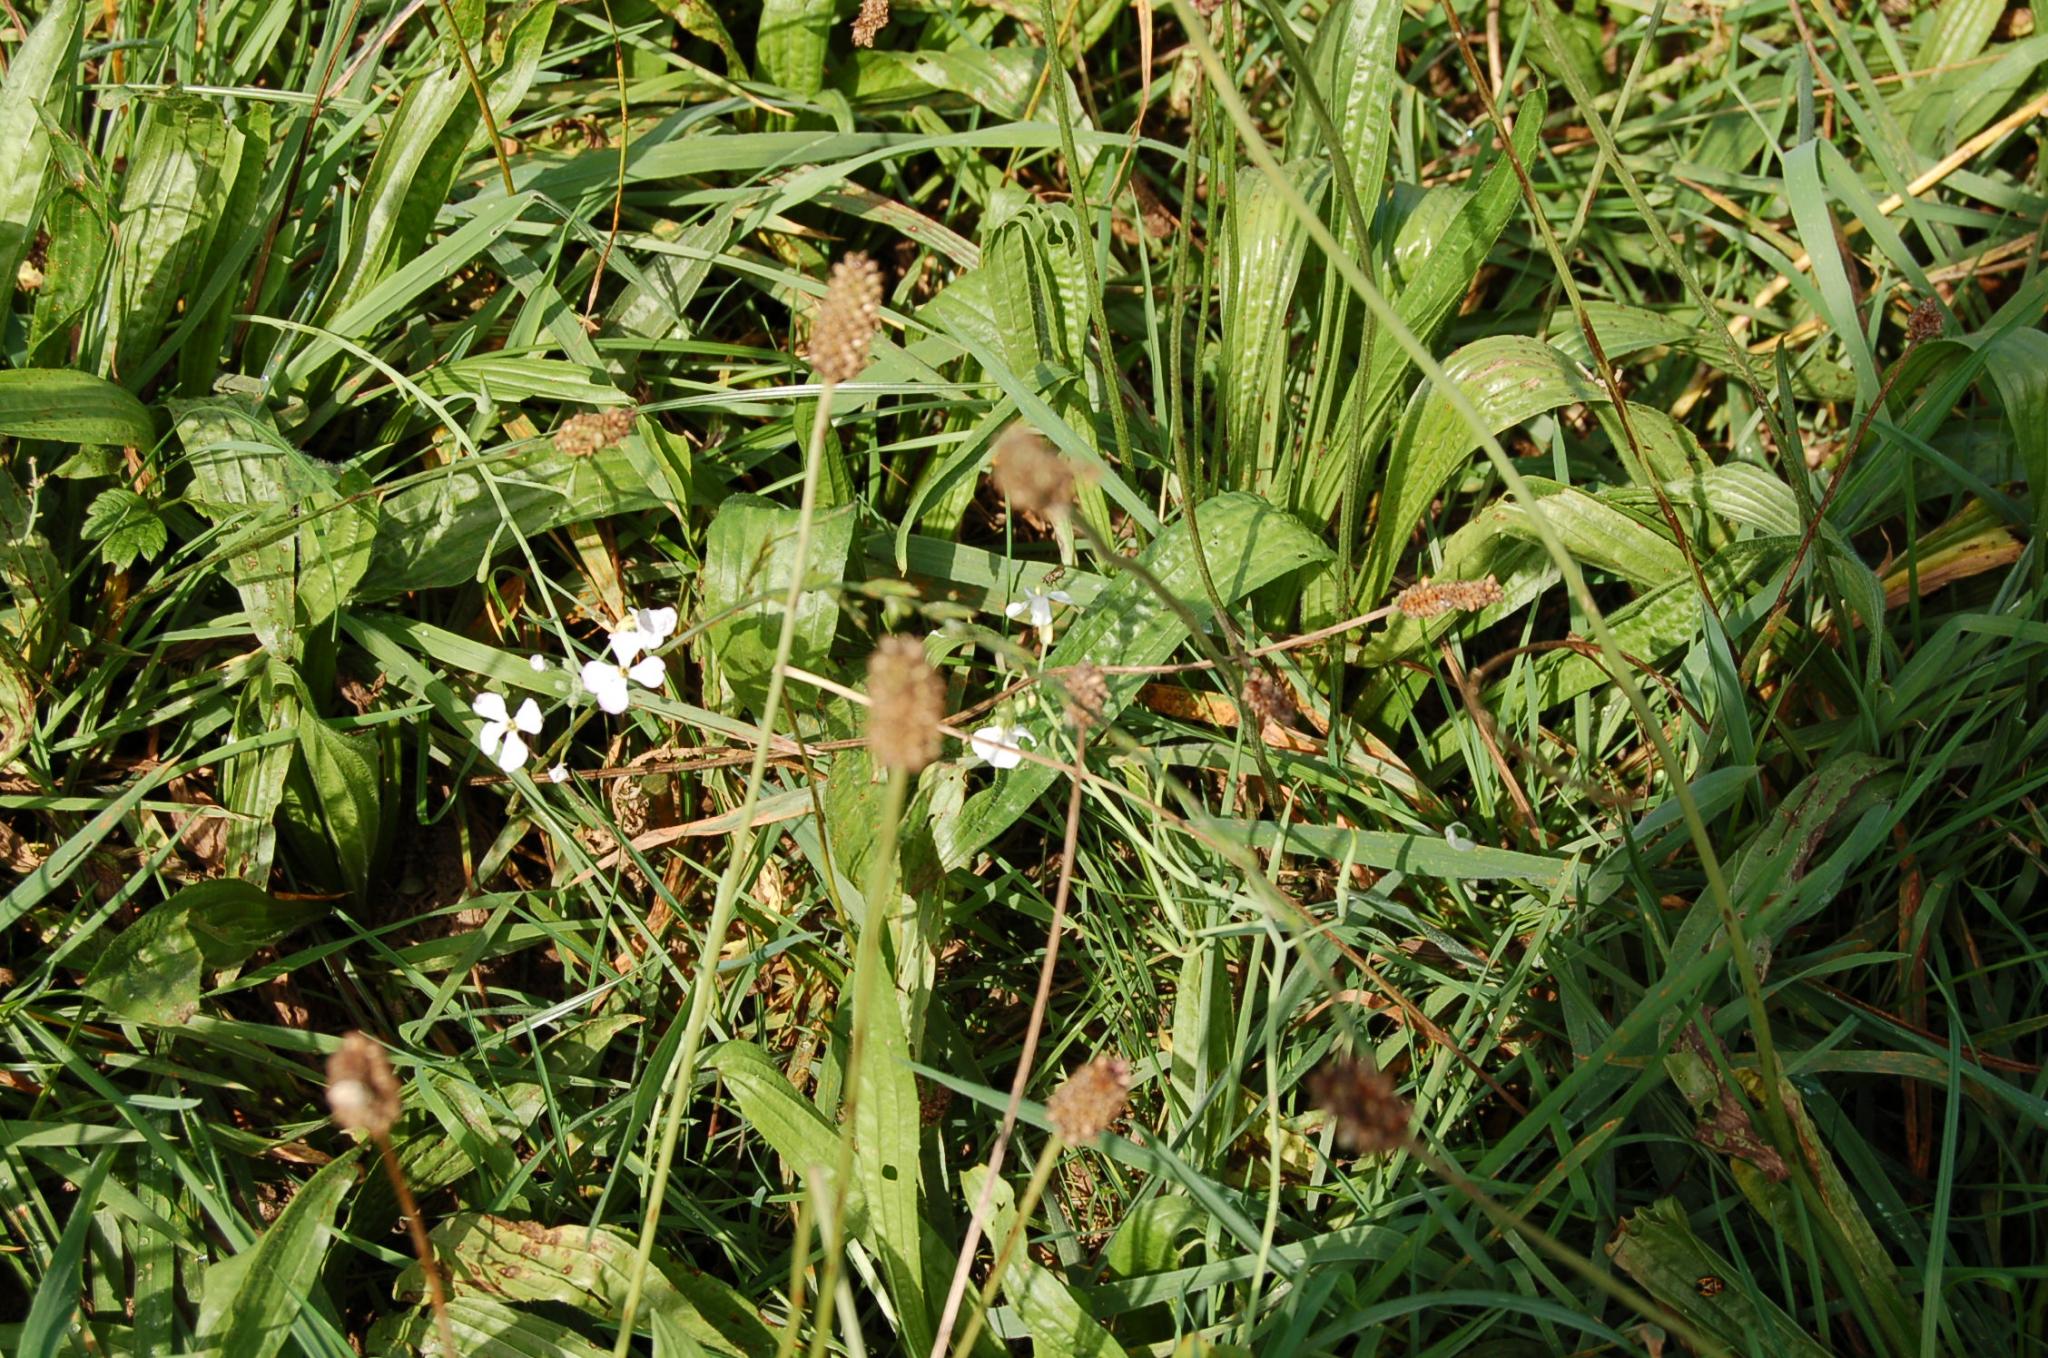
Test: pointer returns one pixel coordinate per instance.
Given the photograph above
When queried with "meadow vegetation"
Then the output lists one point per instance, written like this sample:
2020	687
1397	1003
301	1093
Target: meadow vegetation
1193	677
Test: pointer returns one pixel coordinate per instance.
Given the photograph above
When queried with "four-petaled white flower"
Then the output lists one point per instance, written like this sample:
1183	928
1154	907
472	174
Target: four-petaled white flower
1001	746
501	739
643	630
559	774
1036	606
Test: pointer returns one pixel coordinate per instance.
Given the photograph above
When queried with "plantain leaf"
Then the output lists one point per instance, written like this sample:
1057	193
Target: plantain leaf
39	74
71	407
170	205
587	1268
749	554
1657	1247
155	970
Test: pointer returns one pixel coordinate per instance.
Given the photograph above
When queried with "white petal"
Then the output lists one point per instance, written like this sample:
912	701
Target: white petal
528	718
1015	609
513	753
593	673
489	738
649	672
607	683
1060	596
559	774
538	662
489	706
1041	611
655	625
999	745
626	643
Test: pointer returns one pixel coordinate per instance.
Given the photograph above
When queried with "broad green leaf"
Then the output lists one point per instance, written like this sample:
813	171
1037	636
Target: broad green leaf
443	529
1264	244
347	785
1656	1246
77	219
253	784
1592	531
155	970
336	538
277	1275
170	208
791	41
588	1268
39	73
483	1329
805	1139
749	556
245	477
1352	64
1507	379
221	280
1248	544
2016	361
1059	1326
885	1130
71	407
1435	286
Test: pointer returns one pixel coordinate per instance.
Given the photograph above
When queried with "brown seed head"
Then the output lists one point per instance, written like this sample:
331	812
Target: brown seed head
594	430
1030	475
1360	1099
1087	694
872	19
847	319
362	1092
1269	698
1093	1097
906	703
1925	323
1429	598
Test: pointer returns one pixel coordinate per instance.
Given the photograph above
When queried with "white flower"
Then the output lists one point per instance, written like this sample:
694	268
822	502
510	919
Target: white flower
559	774
539	663
1002	746
1036	606
500	739
643	630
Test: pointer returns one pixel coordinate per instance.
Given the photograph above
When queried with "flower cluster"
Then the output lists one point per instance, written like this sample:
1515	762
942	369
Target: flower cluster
504	736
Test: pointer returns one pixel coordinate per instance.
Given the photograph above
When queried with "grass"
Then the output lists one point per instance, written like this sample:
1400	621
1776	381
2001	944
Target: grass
1526	745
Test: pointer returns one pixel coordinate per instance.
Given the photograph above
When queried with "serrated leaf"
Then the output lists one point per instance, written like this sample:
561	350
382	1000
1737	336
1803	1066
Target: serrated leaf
125	525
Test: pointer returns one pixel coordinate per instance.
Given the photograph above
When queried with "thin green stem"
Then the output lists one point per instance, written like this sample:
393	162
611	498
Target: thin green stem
704	991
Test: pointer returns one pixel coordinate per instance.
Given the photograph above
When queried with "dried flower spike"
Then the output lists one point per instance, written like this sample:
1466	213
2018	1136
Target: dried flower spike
362	1091
1087	694
1092	1098
1360	1098
1269	698
1925	323
906	703
872	19
1030	475
847	319
593	431
1429	598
